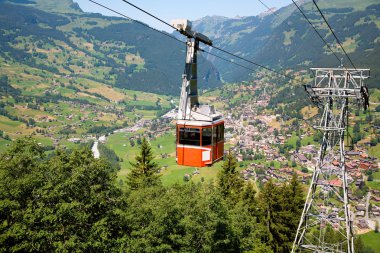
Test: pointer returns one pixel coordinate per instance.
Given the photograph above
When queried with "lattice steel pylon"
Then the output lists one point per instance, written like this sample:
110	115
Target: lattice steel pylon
327	206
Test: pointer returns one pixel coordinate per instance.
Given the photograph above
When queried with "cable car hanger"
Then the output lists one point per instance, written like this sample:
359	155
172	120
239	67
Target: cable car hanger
189	106
200	129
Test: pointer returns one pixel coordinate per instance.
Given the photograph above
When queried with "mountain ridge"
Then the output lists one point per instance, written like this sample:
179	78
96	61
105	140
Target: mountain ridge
285	40
112	50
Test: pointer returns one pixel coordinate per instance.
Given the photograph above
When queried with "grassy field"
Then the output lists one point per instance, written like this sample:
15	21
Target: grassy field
309	112
376	175
44	141
288	37
374	185
372	240
164	152
119	143
163	146
359	5
57	115
375	151
4	145
14	128
306	140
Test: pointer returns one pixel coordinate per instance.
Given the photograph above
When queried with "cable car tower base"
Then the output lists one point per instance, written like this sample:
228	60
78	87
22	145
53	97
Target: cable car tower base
327	206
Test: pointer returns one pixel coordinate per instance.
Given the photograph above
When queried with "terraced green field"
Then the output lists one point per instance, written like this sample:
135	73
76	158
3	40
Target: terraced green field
82	103
376	175
372	240
4	145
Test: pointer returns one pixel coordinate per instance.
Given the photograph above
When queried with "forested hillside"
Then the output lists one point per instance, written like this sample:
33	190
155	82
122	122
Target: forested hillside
285	40
69	201
63	40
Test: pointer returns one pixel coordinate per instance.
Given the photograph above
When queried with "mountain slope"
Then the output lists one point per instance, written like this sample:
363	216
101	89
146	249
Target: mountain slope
286	40
64	40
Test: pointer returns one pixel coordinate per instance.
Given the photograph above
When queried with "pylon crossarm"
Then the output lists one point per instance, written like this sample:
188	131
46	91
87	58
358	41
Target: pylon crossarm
337	92
340	83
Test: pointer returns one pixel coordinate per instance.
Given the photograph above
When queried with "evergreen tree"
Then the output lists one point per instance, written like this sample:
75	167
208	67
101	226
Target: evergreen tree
292	206
144	171
244	215
62	203
298	144
281	208
270	206
249	199
180	218
295	200
229	180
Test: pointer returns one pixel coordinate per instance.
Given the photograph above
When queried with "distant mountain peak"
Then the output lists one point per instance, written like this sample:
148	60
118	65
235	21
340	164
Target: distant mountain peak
268	12
61	6
214	18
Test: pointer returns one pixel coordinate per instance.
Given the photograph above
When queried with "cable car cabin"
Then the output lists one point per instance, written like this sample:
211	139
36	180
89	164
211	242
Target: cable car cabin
199	143
200	129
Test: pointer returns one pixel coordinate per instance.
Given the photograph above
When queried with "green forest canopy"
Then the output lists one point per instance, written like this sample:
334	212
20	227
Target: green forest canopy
70	201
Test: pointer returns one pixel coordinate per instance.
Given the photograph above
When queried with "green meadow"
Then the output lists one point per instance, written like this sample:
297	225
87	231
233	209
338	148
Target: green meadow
372	240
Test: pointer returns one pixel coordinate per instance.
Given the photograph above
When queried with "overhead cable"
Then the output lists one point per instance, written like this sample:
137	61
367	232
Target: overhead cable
225	59
139	22
217	48
274	13
332	31
254	63
149	14
320	36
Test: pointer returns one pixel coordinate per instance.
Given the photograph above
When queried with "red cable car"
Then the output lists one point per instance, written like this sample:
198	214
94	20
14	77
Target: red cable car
200	143
200	129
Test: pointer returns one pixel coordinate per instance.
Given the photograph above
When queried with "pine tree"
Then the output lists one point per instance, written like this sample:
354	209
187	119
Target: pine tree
270	206
249	199
244	217
144	171
295	200
281	208
229	179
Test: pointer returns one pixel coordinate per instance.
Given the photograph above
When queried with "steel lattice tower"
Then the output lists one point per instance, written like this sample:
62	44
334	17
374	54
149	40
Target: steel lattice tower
326	205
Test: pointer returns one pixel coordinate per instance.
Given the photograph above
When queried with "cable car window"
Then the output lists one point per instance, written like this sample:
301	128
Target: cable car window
220	132
189	136
215	134
206	136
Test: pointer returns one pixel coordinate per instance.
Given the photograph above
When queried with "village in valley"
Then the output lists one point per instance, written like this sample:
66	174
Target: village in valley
268	143
191	130
270	147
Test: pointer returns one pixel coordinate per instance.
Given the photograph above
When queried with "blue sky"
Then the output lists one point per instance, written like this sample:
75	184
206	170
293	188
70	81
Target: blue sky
172	9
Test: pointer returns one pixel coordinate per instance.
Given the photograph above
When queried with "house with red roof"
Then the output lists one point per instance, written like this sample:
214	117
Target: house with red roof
365	165
336	182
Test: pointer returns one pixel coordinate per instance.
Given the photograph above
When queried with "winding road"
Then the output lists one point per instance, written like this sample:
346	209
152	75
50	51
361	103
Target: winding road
95	149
